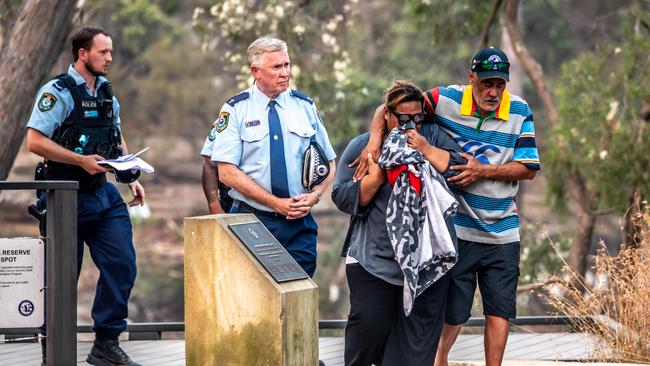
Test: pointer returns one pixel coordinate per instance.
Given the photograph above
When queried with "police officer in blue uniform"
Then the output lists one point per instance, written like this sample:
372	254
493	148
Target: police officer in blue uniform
216	193
259	140
74	124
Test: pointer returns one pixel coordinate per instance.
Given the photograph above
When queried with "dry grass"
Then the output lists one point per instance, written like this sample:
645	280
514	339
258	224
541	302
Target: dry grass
616	307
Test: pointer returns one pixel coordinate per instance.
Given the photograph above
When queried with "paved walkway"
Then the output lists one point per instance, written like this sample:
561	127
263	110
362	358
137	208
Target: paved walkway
540	363
523	349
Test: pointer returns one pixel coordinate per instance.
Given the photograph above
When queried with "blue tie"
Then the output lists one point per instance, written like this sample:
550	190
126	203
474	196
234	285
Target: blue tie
279	182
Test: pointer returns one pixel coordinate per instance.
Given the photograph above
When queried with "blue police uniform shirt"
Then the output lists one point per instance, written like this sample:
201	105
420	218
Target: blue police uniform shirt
48	120
241	133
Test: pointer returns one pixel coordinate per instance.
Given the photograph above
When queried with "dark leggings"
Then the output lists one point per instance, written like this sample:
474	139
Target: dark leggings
379	333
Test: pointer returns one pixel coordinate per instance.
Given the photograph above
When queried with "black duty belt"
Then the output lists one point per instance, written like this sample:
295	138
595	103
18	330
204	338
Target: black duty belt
248	208
91	185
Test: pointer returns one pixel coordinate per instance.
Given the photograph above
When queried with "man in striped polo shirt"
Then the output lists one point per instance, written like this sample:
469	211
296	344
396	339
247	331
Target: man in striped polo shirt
496	131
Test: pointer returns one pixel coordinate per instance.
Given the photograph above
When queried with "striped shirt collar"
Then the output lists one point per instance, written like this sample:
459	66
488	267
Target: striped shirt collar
468	107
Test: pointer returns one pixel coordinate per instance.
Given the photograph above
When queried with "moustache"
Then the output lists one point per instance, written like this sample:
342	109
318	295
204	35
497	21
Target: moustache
492	100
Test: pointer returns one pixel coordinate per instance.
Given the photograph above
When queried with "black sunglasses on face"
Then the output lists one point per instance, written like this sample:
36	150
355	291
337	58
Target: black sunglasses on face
403	118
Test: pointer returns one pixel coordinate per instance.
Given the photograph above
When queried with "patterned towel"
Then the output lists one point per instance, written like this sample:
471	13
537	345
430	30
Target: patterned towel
415	217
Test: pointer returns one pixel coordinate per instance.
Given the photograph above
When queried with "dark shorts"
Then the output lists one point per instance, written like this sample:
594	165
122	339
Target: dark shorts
496	267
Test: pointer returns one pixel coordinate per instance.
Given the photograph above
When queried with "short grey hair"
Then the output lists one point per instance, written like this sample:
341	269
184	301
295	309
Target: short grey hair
264	45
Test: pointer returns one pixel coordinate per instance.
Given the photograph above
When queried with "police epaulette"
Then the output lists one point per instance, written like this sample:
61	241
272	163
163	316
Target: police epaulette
302	96
65	80
237	98
59	85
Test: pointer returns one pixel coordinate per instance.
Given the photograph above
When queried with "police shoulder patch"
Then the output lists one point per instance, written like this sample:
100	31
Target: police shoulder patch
222	122
237	98
212	134
46	102
302	96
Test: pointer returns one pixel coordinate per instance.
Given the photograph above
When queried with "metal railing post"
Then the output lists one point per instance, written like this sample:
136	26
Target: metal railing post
61	275
60	267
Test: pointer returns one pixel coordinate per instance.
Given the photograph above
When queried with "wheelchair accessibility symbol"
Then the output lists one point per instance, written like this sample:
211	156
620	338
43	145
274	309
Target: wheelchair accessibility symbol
26	308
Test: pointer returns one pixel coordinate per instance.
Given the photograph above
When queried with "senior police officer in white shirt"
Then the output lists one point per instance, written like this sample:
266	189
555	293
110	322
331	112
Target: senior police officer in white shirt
259	140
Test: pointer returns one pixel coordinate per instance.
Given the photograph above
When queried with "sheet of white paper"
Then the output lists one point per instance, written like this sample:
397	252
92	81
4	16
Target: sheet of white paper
129	156
131	161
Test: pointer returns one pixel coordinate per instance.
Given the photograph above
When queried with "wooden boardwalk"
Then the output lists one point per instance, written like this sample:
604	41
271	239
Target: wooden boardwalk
521	346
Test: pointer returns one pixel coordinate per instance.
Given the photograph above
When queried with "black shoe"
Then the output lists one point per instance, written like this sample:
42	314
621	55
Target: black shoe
109	353
321	363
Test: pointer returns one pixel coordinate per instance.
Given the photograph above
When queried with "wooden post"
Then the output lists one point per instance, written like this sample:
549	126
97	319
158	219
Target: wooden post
61	294
235	313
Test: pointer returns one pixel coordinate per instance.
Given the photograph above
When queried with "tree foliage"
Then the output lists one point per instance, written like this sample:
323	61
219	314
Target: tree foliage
8	9
446	21
603	129
136	25
315	33
173	94
165	84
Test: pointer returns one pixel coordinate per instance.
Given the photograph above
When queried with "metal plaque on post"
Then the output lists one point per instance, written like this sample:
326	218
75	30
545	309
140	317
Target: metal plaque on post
268	251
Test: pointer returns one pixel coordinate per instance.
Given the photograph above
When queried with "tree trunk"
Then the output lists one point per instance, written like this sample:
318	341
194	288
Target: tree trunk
633	216
515	86
580	194
585	223
485	34
633	219
585	201
32	45
533	69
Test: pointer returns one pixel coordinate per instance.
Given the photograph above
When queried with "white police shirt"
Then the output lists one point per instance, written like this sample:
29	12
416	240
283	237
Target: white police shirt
206	150
55	103
240	136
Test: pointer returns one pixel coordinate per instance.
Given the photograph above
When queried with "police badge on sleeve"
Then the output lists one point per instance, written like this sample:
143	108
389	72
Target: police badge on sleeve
46	102
213	133
222	121
219	125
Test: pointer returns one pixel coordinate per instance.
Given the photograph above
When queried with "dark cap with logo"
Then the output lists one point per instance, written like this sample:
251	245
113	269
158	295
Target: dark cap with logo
491	63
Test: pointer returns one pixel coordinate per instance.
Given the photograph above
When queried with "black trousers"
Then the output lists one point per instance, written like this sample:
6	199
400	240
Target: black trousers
379	333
